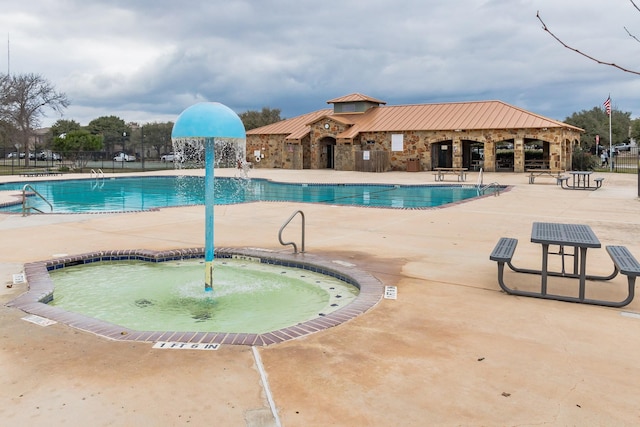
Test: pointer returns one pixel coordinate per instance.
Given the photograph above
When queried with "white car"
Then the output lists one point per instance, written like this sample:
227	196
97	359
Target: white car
47	155
622	147
124	157
171	157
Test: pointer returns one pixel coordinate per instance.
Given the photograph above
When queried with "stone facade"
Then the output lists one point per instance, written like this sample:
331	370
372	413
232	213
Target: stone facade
322	149
361	140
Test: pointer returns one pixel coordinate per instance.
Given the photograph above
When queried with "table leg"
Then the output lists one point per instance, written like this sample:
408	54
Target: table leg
545	258
583	272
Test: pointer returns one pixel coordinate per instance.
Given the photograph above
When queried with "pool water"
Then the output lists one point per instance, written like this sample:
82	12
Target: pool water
145	193
248	296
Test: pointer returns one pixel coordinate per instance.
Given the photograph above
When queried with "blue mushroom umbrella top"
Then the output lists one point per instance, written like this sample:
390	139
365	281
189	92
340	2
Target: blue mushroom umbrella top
208	120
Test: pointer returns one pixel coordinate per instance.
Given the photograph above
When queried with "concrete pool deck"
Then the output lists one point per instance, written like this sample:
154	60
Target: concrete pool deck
451	350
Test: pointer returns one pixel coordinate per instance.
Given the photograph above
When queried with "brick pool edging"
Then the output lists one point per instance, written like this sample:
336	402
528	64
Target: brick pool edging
40	291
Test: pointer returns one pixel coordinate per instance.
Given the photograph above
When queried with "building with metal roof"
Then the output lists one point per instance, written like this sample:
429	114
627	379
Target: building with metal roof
361	133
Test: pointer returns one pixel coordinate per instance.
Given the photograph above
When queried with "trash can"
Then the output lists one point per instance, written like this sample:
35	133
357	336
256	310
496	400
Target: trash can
413	165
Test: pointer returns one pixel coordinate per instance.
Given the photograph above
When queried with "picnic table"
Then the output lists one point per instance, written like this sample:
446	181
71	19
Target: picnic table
544	172
439	173
572	240
581	181
536	164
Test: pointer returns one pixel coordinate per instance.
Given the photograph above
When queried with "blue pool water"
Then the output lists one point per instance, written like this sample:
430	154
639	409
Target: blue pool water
144	193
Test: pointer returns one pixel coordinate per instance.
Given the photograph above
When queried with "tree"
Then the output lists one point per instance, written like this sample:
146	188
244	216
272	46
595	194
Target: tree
63	126
590	57
635	129
113	130
157	136
23	101
7	132
254	119
72	144
596	122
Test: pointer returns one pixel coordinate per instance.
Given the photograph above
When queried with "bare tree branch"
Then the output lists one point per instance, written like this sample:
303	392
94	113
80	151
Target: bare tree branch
634	5
631	35
611	64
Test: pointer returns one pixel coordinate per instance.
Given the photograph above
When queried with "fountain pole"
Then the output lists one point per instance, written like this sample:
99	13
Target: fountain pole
209	156
206	122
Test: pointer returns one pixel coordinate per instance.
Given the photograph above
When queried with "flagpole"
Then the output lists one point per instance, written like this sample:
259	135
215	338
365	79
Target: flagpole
610	152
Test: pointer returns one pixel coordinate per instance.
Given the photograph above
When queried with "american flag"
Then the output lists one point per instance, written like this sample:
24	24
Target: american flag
607	106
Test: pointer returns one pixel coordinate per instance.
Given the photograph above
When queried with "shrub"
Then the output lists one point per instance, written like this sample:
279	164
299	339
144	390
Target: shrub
583	160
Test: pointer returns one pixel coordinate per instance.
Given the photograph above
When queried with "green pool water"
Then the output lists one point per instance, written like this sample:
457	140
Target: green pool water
248	296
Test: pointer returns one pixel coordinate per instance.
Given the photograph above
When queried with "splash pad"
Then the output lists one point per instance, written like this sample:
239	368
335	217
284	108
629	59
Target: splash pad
41	292
196	136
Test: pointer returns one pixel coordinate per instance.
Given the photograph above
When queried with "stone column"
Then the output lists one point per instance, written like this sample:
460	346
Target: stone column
490	156
518	154
457	152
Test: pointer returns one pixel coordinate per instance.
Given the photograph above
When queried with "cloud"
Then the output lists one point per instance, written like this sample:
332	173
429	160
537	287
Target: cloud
148	60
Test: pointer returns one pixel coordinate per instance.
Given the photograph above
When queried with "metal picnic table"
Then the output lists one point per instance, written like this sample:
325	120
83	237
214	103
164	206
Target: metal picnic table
580	237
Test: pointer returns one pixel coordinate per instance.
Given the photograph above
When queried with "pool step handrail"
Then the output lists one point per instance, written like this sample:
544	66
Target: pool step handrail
495	185
295	247
27	209
99	174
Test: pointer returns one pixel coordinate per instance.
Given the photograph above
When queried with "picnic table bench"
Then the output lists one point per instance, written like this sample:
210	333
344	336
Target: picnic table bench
439	173
541	172
536	164
580	238
581	181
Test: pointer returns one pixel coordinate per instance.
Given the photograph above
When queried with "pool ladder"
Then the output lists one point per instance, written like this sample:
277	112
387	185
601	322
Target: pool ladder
481	188
99	176
26	210
295	247
495	185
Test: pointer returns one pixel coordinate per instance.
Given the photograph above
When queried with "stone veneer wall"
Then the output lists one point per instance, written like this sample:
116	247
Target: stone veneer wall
279	153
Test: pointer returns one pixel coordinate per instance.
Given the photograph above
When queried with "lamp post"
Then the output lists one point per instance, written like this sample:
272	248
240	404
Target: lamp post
17	154
124	153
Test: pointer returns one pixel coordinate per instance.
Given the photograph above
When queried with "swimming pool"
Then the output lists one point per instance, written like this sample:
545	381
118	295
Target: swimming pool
145	193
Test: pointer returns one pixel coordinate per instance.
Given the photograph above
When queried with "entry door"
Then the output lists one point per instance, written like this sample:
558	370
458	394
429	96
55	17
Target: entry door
330	153
445	156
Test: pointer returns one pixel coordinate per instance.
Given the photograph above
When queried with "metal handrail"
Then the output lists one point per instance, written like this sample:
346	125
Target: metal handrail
98	174
295	248
26	209
495	185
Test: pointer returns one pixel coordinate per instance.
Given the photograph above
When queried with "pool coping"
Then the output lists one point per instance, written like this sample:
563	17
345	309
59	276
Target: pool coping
40	291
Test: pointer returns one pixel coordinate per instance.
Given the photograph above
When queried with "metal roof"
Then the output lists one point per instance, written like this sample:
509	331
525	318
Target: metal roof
354	97
477	115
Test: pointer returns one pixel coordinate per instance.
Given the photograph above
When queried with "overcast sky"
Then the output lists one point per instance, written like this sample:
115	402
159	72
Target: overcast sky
148	60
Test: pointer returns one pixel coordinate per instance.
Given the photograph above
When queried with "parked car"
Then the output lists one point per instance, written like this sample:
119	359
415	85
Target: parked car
14	155
124	157
48	155
623	147
171	157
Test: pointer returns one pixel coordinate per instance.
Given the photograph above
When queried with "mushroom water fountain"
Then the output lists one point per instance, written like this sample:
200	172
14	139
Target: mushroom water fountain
205	128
